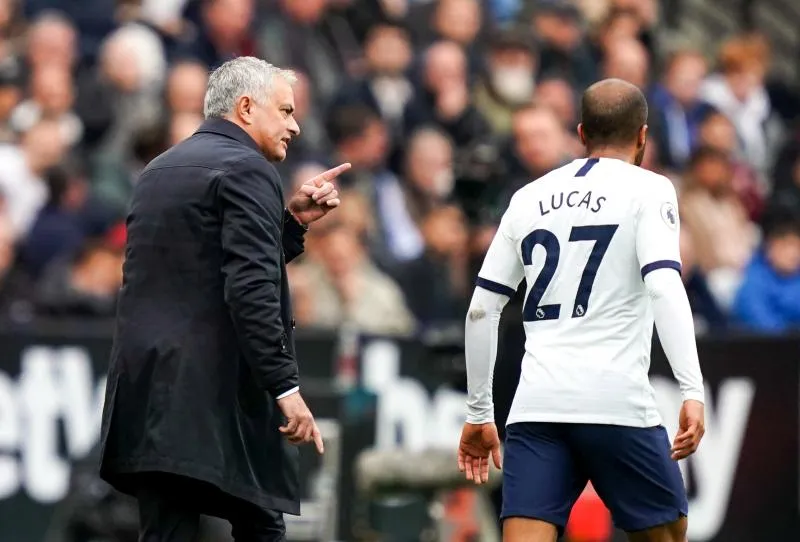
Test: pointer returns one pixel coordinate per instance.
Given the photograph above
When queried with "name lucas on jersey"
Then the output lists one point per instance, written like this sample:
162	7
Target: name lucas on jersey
571	199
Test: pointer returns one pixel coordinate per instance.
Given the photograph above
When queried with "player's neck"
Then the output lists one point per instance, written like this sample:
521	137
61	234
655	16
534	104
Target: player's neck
618	154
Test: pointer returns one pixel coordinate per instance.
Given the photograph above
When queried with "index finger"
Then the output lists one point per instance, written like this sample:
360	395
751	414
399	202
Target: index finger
331	174
318	440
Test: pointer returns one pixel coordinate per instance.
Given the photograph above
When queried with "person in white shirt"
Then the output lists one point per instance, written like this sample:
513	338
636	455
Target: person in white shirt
597	241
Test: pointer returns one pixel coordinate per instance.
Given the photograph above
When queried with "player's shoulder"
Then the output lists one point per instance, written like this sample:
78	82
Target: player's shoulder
642	183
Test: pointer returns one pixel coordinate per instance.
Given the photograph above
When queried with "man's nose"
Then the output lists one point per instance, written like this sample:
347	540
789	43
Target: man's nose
294	128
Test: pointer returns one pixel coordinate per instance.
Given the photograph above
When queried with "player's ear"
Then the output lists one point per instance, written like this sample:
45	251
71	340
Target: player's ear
642	136
580	134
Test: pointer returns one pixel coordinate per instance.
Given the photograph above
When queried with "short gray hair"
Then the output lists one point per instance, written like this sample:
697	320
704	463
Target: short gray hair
245	75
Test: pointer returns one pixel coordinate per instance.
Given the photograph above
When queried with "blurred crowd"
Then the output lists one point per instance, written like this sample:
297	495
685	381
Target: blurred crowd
443	107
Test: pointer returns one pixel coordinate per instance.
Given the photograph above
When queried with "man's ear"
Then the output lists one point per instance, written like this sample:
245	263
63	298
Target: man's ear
244	109
580	134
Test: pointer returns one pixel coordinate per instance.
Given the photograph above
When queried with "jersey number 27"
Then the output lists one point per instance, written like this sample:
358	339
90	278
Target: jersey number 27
532	311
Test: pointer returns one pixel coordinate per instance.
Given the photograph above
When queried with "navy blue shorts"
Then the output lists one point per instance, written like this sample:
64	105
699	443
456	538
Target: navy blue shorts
546	467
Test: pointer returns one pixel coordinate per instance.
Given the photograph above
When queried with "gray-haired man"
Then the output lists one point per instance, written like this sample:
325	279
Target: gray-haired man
202	403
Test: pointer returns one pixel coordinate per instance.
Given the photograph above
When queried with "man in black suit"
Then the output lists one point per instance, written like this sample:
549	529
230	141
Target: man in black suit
202	403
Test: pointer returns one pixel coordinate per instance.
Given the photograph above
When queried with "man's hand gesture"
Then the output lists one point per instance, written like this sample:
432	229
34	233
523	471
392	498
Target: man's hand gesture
316	196
300	425
691	428
477	443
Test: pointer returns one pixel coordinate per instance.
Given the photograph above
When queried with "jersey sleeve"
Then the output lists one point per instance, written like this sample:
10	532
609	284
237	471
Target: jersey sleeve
658	229
502	269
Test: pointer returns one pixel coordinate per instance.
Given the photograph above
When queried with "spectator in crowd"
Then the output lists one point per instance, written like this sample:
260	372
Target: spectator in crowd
444	97
769	298
557	94
437	284
723	236
52	98
66	221
385	87
165	15
738	91
617	24
113	176
627	59
428	174
708	315
460	21
349	288
540	144
717	132
94	20
123	94
22	173
539	141
360	137
223	33
676	109
564	50
630	19
299	36
52	41
509	81
86	283
186	87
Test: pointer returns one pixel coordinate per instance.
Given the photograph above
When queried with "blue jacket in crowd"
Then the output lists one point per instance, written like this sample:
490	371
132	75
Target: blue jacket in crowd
768	301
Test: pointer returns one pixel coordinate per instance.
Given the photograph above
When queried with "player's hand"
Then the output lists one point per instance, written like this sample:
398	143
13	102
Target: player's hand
691	428
317	196
477	443
300	425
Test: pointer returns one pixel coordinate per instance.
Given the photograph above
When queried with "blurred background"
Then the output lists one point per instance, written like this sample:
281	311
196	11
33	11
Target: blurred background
444	108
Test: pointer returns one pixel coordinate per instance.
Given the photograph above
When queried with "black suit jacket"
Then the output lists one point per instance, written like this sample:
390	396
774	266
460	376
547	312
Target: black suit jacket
203	340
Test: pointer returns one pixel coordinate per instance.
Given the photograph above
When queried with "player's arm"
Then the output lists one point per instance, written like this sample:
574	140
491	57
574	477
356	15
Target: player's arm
658	251
498	280
657	247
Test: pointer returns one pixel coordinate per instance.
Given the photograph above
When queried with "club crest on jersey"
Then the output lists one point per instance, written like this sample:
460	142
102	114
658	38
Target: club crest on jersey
669	215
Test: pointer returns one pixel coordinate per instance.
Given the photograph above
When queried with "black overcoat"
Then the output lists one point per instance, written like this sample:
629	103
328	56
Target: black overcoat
203	341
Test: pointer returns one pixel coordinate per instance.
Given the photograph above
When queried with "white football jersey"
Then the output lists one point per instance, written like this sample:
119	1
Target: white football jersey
584	236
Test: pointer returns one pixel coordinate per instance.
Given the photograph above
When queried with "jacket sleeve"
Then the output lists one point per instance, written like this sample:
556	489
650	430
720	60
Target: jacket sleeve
252	221
293	237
